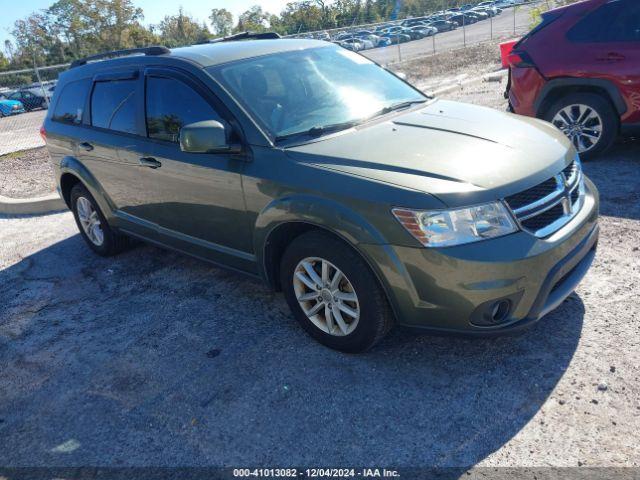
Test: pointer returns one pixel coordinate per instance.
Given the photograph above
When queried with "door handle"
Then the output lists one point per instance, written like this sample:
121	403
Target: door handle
86	146
149	162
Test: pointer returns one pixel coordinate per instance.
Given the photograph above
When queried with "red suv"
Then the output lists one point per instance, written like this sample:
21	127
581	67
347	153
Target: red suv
580	70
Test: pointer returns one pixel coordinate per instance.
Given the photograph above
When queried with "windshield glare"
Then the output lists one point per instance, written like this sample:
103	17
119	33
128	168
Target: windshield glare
299	90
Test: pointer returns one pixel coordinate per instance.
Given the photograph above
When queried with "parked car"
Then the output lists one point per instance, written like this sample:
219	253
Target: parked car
375	40
30	100
10	107
425	30
352	44
412	22
443	25
382	207
414	34
395	38
589	88
464	19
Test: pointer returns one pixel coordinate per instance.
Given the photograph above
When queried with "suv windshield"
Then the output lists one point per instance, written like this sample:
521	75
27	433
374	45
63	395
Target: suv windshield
314	90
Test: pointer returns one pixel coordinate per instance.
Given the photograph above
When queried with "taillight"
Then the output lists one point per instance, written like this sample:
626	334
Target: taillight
43	133
520	59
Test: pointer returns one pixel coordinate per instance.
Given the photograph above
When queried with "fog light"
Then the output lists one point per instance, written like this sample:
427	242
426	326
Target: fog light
500	310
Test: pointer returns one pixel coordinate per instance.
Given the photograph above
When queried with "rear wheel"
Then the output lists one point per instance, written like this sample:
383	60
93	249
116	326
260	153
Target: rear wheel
93	225
588	120
333	294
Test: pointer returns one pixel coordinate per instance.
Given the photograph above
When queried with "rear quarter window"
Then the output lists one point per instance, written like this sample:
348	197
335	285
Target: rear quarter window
616	21
70	105
113	105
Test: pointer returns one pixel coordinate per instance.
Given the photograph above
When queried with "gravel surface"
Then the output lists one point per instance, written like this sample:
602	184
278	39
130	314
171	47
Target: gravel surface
451	67
26	174
153	358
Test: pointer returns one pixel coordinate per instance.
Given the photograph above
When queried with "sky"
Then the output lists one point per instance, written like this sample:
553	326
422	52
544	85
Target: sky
154	10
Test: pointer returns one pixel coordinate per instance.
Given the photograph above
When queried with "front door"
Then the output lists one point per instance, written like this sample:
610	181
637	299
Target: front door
198	197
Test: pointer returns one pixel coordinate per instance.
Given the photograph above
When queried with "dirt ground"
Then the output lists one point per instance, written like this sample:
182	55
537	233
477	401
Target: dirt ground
153	358
453	66
26	174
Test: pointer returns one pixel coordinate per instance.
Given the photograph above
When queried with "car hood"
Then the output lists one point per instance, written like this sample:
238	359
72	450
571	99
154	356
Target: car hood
460	153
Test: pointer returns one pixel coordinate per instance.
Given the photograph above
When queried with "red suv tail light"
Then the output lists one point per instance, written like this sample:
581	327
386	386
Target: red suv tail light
43	133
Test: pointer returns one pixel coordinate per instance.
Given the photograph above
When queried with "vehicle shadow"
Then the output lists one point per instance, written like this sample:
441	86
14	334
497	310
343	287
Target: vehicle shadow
152	358
617	176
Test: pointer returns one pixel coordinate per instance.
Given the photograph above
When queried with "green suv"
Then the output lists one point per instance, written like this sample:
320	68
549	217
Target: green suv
366	202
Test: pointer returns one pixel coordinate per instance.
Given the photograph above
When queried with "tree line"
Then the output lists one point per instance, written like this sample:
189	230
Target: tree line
71	29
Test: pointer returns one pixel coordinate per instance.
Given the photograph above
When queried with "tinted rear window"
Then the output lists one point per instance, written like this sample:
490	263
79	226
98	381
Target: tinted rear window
70	106
113	105
616	21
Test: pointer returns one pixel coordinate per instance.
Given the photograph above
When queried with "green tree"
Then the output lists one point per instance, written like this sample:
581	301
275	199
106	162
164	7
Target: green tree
221	21
254	20
181	29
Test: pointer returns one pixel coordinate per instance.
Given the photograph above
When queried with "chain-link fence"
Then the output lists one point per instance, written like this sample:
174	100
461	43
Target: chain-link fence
24	100
399	40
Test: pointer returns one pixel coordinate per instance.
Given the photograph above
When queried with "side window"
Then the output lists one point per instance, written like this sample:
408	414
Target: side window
616	21
70	105
171	104
113	105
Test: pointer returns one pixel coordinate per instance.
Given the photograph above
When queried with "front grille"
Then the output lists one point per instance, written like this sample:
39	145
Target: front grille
532	194
546	207
544	219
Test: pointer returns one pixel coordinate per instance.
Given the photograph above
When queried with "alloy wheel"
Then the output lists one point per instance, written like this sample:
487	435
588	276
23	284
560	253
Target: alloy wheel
582	124
90	221
326	296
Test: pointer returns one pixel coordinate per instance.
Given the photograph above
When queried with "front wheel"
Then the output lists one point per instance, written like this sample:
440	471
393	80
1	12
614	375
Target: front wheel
333	294
588	120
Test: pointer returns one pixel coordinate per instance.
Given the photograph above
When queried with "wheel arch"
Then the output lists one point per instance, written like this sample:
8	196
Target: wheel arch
284	234
72	172
286	219
556	88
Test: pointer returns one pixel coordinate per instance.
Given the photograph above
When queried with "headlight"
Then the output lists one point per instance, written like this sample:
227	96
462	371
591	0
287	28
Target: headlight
444	228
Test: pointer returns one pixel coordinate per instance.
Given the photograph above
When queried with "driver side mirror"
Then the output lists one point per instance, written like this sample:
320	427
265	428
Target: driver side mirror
209	136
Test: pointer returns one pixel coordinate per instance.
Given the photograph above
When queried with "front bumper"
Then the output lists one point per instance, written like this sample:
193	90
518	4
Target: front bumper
452	289
10	112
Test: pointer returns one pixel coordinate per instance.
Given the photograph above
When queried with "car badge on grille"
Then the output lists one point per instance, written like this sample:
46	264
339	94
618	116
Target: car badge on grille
563	183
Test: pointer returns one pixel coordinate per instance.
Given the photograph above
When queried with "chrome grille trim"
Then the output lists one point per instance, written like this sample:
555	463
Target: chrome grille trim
567	181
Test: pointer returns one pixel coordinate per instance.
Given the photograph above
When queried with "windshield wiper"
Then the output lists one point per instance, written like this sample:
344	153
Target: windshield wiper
319	130
398	106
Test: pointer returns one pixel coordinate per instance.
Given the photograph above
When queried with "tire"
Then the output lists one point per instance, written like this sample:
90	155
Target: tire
608	120
112	243
375	318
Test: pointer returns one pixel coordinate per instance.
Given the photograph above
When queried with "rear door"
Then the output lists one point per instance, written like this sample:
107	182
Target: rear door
116	128
606	44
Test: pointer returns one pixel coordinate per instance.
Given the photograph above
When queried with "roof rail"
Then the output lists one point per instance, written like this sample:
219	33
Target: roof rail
247	36
155	50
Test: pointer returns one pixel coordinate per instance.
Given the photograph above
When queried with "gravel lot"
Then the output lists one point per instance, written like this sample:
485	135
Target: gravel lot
153	358
26	174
